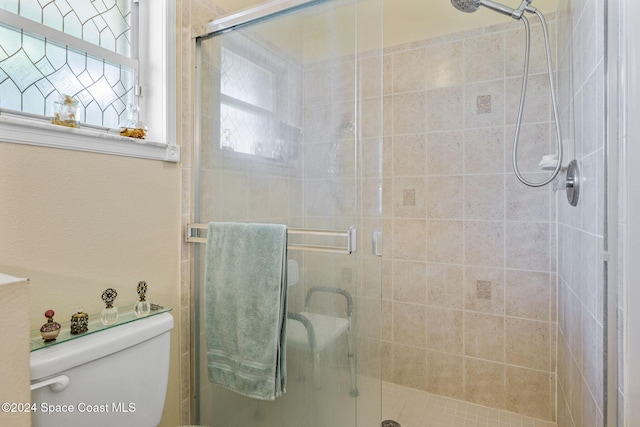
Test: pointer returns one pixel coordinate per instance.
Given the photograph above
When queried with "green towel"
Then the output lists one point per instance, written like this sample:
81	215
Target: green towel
246	305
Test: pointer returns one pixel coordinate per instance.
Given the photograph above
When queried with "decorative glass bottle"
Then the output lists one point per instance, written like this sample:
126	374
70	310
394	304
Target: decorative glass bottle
132	127
142	307
65	111
79	323
51	329
109	314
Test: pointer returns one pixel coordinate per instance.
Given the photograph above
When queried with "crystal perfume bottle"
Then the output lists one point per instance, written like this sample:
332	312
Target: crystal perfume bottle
142	307
109	314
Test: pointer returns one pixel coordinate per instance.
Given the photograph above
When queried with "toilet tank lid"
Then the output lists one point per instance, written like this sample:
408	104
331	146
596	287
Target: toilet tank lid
67	355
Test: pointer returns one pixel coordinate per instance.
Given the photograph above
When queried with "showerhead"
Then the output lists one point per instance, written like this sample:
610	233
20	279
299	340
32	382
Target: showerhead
467	6
470	6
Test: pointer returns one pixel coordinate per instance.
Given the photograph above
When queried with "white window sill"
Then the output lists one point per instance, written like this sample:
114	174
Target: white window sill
25	131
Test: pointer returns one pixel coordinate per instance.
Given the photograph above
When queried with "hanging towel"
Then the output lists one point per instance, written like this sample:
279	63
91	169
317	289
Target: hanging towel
246	304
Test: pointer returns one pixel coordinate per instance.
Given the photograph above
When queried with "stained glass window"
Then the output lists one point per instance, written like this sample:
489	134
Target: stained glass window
79	48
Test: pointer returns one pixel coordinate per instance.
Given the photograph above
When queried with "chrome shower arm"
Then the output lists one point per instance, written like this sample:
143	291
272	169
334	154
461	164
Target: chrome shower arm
470	6
525	6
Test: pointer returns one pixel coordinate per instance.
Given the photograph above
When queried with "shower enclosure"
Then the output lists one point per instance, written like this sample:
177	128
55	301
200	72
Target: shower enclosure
289	131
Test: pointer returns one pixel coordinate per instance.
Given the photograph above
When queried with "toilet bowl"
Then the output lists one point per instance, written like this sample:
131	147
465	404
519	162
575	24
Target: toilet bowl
113	377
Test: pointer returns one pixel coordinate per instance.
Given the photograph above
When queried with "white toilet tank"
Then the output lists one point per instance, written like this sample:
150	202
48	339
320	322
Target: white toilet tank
113	377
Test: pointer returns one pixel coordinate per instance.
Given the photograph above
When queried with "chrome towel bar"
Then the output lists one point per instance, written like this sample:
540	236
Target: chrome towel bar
193	235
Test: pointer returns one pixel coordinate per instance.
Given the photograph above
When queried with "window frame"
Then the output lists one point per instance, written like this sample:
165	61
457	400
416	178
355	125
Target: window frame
157	101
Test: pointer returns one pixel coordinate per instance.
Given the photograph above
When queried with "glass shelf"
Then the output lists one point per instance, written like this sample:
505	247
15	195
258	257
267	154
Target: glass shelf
125	315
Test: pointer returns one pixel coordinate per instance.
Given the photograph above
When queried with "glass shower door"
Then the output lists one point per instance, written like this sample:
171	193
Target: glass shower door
289	131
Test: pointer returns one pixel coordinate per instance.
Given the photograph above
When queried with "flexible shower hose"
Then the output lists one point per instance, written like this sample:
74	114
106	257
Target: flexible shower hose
525	78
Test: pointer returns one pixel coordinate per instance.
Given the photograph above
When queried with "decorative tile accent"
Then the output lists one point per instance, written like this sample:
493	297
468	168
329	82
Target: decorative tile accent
483	289
483	104
409	197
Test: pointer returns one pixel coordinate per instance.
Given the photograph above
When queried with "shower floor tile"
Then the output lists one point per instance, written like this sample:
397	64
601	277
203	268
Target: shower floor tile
415	408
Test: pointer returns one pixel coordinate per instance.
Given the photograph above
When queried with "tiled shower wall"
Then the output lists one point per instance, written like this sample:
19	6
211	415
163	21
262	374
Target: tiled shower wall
469	285
581	229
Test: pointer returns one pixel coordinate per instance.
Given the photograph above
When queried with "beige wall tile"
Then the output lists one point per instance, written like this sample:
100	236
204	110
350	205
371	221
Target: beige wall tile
527	392
409	155
484	243
484	57
371	117
409	239
484	197
387	321
445	108
409	112
536	106
371	197
387	361
484	336
370	160
444	241
514	54
409	324
409	367
444	330
485	383
527	295
526	204
387	279
445	65
527	343
371	77
444	153
527	245
530	148
409	282
409	70
445	374
387	74
484	151
387	115
444	197
445	285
